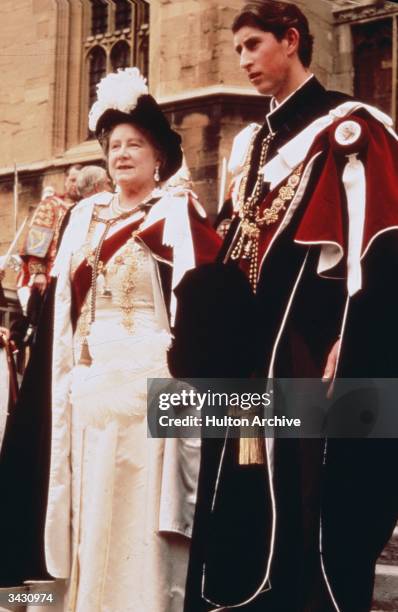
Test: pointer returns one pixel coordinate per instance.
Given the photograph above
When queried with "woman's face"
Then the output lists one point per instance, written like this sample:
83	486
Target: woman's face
132	159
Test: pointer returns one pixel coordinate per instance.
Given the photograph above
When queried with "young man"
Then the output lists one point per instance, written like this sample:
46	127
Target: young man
317	241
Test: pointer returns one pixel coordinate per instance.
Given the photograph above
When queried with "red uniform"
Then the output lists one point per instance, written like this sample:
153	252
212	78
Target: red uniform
41	242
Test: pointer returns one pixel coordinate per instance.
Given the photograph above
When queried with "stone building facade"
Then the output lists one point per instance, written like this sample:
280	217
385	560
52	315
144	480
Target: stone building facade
53	51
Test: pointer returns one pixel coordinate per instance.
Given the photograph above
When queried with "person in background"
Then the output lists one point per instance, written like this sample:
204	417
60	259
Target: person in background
42	239
91	180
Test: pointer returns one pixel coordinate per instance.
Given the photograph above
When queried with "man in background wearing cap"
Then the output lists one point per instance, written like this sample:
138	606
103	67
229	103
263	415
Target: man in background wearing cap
315	214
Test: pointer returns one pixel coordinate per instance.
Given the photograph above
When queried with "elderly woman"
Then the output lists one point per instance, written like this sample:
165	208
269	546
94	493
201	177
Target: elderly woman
120	505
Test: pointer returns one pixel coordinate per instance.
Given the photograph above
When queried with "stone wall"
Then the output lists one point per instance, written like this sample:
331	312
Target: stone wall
191	46
27	80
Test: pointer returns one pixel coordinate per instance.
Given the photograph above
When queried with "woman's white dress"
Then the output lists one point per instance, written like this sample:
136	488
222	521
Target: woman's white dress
129	551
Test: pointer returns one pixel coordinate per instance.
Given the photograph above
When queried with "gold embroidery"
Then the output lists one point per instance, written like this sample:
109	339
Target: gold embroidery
123	269
36	268
127	259
247	246
286	194
294	179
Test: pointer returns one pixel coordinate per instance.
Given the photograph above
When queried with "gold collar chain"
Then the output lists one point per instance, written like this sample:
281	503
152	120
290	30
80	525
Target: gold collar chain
247	245
249	234
247	205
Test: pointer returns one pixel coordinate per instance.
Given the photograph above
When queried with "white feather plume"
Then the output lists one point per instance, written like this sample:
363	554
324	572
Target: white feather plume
119	91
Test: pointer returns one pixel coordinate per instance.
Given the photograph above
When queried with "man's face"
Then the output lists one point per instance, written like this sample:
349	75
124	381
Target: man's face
264	58
71	184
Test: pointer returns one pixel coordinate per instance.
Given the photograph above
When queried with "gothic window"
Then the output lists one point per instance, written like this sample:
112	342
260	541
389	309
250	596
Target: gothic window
99	16
97	69
120	55
122	14
117	36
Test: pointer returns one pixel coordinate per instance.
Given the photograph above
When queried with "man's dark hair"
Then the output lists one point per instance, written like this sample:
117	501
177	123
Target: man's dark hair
277	17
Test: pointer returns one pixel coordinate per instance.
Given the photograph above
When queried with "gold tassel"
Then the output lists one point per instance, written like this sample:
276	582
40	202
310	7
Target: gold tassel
251	451
85	357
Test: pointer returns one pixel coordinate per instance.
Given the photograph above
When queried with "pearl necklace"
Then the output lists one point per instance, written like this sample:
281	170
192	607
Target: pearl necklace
120	211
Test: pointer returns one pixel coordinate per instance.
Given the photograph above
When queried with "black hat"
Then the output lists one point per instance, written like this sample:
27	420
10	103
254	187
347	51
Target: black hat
144	112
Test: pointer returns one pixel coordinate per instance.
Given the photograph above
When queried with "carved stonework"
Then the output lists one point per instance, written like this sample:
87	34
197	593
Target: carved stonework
361	13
